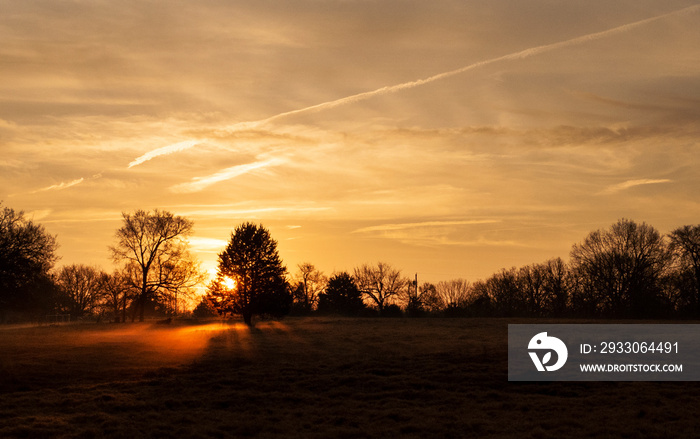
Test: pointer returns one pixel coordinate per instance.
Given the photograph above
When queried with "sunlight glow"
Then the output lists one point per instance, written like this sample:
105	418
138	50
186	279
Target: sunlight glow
229	283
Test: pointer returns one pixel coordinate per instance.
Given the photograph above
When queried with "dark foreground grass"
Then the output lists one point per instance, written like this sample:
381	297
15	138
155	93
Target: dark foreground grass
311	378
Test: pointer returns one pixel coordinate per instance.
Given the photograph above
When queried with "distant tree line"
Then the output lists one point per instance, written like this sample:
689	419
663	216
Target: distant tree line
629	270
154	274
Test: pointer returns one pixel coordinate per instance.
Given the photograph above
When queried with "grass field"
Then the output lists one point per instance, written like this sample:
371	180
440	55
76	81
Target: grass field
311	378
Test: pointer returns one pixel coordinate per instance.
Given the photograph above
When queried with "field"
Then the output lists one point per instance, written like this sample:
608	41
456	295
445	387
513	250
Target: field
311	378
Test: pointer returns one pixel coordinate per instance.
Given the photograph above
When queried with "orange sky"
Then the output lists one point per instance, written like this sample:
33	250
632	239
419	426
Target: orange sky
330	123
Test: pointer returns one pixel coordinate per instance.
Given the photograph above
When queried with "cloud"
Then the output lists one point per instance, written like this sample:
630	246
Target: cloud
207	245
522	54
403	226
61	186
438	234
176	147
631	183
512	56
200	183
227	212
38	215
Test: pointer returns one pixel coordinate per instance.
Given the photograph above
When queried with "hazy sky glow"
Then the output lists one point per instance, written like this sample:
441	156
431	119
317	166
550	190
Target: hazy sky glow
449	138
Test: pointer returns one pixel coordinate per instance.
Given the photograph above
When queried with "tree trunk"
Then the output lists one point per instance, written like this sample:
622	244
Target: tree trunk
124	308
248	318
142	299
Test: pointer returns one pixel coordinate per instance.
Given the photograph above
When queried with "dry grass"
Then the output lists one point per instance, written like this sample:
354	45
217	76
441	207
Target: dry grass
310	378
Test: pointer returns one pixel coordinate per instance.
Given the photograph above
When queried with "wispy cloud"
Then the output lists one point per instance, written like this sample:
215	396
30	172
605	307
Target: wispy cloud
512	56
200	183
207	244
176	147
60	186
526	53
404	226
438	234
37	215
630	184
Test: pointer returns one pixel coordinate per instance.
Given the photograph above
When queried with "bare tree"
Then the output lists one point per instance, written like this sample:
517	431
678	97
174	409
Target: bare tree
685	247
79	288
532	282
117	293
381	283
431	300
619	269
309	283
504	292
454	293
154	245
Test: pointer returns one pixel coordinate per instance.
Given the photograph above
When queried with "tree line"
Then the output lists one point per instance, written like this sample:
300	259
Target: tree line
628	270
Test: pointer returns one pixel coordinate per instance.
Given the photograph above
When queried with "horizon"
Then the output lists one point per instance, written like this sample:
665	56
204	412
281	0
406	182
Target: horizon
447	139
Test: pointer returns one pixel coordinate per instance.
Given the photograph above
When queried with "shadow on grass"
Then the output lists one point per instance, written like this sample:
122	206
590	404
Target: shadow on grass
332	378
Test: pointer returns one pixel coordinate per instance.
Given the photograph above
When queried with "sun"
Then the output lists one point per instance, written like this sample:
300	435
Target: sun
229	283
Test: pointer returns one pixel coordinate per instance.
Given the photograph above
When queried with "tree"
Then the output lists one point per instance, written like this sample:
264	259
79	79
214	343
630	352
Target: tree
251	279
117	293
80	289
430	299
619	269
685	248
531	279
154	249
27	253
504	292
544	288
380	283
310	282
454	293
341	296
204	309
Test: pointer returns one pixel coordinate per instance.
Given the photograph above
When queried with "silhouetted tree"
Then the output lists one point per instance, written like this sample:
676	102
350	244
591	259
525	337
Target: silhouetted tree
27	253
80	289
453	293
309	283
544	288
531	282
380	284
154	247
557	283
204	309
431	300
117	294
505	293
481	304
619	269
685	247
341	296
250	278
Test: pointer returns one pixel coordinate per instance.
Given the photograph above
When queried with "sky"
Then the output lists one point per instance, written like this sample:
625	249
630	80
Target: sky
448	138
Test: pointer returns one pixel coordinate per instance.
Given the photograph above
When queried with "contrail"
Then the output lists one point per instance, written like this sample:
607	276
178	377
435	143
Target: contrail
526	53
187	144
60	186
517	55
